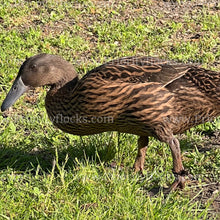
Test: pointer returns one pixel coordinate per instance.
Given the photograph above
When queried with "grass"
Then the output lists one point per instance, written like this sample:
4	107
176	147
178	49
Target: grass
47	174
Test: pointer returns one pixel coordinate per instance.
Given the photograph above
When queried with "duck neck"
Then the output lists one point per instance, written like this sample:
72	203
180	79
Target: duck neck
63	86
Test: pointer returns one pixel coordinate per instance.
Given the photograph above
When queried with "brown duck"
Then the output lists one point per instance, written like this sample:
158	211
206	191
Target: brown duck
144	96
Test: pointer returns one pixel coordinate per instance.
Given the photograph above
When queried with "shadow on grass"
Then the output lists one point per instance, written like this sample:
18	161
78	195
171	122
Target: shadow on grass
32	157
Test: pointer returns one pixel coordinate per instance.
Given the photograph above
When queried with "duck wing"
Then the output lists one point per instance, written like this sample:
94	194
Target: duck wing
140	70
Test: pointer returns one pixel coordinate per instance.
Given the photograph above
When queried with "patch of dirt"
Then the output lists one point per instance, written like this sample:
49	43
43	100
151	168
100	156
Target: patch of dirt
206	194
209	191
92	12
210	140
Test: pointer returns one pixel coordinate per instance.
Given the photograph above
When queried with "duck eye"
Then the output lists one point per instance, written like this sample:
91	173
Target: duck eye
33	66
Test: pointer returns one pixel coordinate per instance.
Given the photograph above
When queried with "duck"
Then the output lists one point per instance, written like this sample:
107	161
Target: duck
140	95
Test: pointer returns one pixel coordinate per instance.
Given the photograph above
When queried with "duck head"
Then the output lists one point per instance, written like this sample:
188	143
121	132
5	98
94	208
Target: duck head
39	70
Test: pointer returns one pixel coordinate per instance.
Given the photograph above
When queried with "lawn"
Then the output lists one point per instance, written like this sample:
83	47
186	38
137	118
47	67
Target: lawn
47	174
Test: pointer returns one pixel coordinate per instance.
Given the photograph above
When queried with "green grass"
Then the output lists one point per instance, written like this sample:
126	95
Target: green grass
47	174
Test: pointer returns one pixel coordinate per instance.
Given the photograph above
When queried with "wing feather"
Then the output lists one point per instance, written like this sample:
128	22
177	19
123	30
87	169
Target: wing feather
140	70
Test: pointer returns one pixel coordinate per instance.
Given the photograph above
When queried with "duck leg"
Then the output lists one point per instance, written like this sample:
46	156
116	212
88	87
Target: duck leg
142	147
178	168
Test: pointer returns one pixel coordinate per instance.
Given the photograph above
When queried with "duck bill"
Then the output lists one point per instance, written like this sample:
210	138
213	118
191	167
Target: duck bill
17	90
